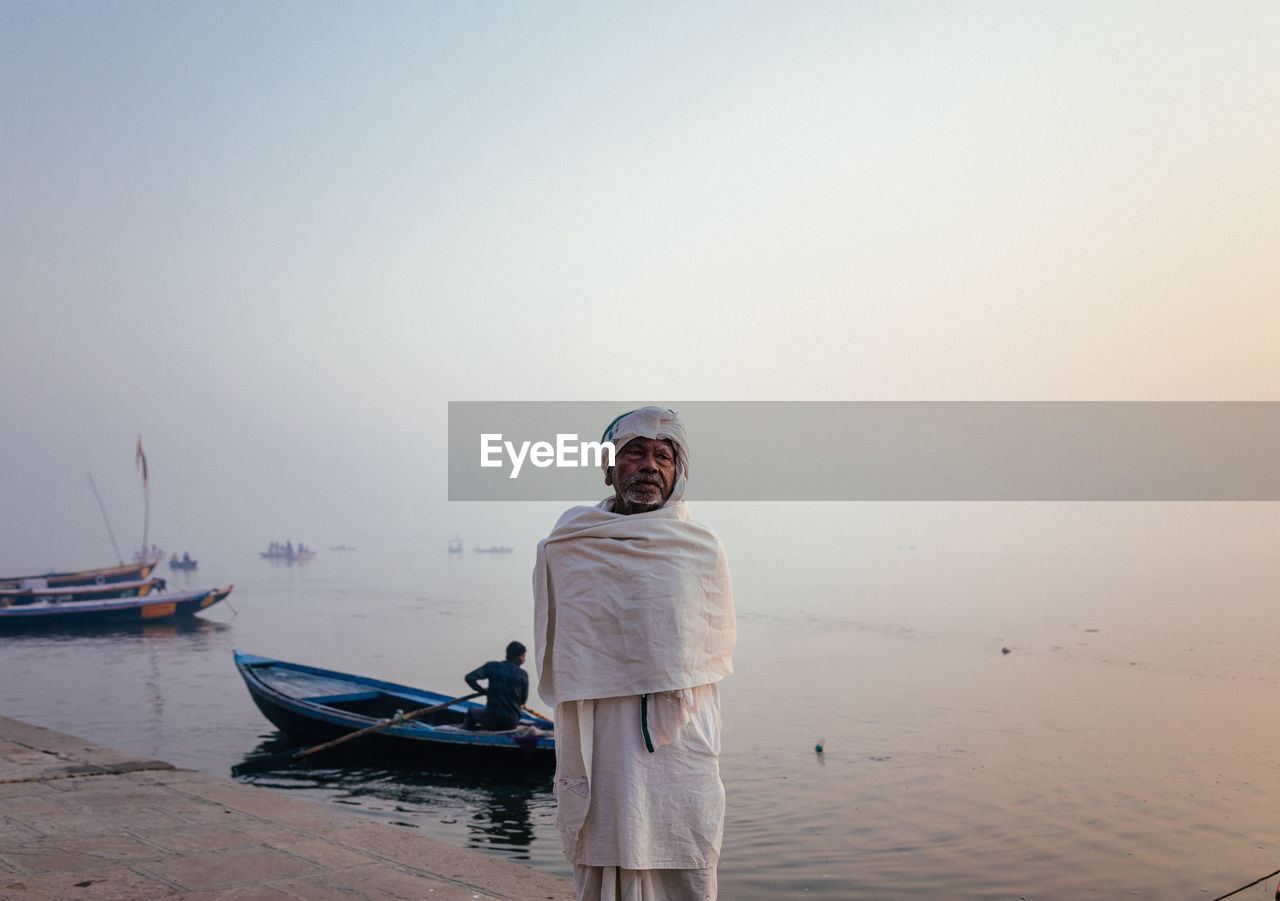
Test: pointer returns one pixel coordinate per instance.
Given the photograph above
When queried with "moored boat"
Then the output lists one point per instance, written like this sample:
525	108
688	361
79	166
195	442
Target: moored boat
36	591
122	572
151	607
315	705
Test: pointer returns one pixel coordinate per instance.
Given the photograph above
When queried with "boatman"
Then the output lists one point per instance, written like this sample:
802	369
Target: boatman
634	627
507	691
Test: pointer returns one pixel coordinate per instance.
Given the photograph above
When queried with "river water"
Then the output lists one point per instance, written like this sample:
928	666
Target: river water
1013	700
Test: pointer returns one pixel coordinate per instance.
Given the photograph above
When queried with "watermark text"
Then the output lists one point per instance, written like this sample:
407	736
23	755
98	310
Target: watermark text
566	452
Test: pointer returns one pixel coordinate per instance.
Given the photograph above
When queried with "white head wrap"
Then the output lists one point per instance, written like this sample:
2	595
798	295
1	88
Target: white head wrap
654	422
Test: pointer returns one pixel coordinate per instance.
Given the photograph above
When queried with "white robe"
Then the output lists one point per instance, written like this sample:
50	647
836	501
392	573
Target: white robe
626	606
614	884
638	809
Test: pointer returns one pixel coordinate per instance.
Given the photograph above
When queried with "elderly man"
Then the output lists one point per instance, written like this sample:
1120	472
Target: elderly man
634	628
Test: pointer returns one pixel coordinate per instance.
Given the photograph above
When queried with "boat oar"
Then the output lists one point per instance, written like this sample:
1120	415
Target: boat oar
537	714
276	761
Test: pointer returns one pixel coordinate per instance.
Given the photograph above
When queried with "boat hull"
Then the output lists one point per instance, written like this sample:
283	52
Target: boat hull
105	575
73	593
313	705
144	609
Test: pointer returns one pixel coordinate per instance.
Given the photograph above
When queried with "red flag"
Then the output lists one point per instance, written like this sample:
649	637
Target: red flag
140	462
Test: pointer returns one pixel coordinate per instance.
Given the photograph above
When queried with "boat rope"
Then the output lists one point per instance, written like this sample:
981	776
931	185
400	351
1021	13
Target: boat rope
110	534
1250	885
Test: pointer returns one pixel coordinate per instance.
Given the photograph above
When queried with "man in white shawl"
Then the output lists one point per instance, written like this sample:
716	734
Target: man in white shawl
634	627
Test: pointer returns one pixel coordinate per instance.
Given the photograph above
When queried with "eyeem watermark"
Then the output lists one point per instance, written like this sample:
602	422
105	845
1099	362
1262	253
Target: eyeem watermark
567	452
887	450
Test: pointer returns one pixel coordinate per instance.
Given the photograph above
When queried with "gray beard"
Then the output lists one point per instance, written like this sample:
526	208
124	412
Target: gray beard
641	493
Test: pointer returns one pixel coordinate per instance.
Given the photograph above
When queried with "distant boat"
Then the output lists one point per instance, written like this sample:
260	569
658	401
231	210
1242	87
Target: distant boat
151	607
341	547
314	705
493	549
288	552
183	562
455	546
123	572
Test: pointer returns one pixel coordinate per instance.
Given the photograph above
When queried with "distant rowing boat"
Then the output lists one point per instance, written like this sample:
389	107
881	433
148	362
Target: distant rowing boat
493	549
287	552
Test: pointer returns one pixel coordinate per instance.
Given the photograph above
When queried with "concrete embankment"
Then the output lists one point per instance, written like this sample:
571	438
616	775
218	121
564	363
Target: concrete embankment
82	821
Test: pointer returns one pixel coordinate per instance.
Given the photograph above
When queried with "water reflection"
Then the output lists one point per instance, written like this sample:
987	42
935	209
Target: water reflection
493	811
503	822
123	631
186	578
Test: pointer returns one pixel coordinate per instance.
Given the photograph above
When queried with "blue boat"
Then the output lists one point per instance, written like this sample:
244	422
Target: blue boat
316	705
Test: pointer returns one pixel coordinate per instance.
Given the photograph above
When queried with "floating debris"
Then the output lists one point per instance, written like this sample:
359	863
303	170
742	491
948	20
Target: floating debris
818	746
1006	650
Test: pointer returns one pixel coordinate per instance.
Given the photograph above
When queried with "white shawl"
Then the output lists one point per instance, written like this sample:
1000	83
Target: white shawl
629	605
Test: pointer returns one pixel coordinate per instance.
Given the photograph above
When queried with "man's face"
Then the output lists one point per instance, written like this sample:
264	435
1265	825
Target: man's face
643	475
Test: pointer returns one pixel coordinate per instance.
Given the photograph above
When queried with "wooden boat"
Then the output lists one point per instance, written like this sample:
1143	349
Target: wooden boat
35	591
314	705
150	607
124	572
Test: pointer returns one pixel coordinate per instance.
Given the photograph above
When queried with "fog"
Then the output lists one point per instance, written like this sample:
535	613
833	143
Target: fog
275	241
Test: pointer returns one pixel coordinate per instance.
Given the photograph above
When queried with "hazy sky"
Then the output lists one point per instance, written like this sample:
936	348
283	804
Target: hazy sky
276	239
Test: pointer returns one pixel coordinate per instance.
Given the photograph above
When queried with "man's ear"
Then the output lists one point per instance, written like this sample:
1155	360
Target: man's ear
608	476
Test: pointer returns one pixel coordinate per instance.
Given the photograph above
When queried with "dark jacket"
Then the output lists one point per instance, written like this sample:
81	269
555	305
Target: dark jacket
508	689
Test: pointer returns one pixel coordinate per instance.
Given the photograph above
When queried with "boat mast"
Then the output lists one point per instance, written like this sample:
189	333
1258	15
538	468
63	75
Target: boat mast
140	462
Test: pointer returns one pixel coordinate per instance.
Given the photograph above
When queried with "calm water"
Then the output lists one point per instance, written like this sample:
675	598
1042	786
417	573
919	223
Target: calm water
1123	747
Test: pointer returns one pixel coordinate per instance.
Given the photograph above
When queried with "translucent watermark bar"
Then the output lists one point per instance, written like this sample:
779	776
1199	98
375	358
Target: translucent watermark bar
887	451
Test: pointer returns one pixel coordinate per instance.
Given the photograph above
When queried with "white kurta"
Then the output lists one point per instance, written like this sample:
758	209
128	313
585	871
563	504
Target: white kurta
644	810
613	884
